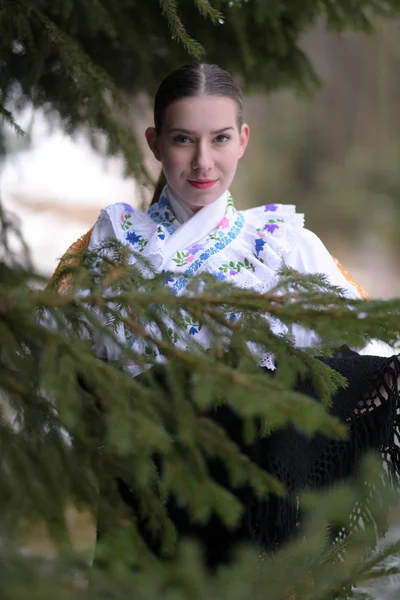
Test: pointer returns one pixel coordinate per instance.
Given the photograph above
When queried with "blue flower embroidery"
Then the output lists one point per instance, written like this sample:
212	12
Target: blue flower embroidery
133	238
195	248
271	227
193	331
260	243
160	233
270	207
127	207
219	275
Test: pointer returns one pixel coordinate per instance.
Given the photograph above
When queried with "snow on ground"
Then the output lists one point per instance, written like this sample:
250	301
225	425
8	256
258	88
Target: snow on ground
57	188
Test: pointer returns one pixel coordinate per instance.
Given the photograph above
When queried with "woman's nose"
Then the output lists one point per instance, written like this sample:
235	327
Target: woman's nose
202	160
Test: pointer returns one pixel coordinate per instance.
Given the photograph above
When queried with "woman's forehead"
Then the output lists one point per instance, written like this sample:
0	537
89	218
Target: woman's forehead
203	112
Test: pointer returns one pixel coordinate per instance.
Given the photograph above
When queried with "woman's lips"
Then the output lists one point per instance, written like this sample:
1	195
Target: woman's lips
202	184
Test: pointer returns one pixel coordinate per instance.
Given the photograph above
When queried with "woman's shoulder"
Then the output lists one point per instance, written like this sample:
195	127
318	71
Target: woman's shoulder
278	225
274	216
117	220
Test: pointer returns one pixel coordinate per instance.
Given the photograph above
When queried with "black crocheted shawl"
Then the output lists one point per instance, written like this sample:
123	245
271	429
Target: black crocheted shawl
369	405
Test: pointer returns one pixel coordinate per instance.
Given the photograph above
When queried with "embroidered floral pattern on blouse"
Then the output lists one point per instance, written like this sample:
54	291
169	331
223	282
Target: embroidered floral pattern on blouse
233	268
272	224
246	248
260	243
161	213
195	248
219	275
224	240
160	233
194	326
125	220
224	223
136	240
181	259
127	207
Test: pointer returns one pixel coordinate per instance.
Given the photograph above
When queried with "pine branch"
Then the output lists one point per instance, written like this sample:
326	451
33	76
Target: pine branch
8	118
207	11
169	9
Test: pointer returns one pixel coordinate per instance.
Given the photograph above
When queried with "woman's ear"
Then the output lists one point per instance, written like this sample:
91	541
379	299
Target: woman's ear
244	138
152	140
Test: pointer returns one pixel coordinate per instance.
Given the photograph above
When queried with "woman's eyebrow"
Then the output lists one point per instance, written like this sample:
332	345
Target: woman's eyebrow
188	132
223	129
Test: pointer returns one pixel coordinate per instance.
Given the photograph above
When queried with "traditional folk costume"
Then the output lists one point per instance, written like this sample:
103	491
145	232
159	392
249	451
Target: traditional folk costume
248	248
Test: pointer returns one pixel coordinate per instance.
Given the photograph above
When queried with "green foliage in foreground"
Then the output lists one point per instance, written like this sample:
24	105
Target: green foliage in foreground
80	60
309	569
57	447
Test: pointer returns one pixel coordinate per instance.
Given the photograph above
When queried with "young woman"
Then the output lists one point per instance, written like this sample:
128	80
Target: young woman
199	136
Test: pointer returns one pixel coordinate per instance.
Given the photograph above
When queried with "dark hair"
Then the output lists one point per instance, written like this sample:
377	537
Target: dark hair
193	80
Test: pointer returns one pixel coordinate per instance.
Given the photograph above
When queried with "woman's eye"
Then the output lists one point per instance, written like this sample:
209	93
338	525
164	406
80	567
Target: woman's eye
182	139
222	138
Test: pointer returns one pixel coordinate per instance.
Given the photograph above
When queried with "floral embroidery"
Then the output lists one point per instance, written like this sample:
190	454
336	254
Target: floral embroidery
136	240
224	223
195	326
172	335
219	275
232	267
126	221
260	243
133	238
161	213
195	248
223	241
181	259
248	265
128	207
271	225
241	248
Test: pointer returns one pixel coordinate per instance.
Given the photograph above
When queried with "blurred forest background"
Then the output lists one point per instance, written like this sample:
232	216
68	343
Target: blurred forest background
335	154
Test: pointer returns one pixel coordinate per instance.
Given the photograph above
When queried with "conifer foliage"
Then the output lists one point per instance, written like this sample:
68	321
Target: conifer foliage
73	425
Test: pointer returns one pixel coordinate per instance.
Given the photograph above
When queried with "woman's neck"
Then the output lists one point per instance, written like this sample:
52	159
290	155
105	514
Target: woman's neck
182	211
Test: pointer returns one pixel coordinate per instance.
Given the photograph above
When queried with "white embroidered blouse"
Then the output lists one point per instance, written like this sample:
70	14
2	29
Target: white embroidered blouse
245	247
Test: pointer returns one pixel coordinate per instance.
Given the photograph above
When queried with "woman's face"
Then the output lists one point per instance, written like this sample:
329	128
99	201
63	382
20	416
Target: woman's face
199	147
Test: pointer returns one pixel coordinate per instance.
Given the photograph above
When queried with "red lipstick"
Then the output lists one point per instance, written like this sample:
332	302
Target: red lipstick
202	184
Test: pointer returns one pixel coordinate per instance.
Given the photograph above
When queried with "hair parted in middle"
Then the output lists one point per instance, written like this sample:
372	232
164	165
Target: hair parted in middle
194	80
